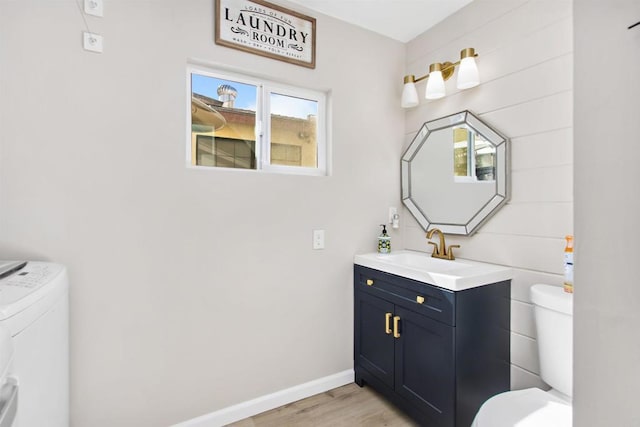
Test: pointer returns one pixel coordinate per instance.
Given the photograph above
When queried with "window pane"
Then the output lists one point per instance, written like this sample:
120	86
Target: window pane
461	160
485	159
228	153
293	131
223	120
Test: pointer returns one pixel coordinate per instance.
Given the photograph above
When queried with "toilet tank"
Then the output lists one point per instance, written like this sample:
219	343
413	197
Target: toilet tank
553	310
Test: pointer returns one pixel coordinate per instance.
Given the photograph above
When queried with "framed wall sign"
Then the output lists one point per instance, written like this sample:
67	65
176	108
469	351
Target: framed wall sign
266	29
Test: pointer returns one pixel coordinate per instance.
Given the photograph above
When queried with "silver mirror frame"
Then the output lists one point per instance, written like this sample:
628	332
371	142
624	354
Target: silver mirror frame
502	176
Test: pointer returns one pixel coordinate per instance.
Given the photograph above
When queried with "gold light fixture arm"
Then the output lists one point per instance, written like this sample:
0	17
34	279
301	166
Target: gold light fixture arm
447	68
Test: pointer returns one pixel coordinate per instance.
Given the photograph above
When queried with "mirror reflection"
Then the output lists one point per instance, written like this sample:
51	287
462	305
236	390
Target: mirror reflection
474	158
454	173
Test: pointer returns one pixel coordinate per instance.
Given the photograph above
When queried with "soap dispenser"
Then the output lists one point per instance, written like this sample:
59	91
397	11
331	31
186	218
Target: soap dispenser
384	241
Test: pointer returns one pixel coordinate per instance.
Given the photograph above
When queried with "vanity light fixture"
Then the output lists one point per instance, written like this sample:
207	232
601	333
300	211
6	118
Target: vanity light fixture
438	74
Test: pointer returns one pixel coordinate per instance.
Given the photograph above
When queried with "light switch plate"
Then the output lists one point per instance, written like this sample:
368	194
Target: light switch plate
94	7
92	42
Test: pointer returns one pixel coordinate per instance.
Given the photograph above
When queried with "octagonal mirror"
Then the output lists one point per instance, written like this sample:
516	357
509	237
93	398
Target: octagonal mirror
455	173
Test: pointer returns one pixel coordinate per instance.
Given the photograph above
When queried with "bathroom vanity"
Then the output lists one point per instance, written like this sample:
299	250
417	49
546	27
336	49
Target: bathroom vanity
431	335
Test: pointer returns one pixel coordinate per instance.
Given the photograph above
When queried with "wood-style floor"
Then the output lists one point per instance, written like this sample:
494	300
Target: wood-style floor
346	406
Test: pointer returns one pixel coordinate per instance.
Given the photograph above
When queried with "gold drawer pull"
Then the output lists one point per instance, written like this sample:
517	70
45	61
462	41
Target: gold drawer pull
419	299
387	321
369	282
396	332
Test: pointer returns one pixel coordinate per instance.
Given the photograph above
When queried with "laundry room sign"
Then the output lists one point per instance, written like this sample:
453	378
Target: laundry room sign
266	29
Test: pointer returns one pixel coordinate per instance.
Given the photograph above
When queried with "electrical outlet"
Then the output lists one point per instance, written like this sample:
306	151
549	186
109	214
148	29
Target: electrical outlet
94	7
392	211
318	239
92	42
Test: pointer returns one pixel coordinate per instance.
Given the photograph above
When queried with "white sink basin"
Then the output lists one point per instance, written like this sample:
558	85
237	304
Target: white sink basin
455	275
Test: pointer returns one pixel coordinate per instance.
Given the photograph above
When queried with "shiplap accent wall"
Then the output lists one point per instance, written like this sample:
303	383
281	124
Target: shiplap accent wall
525	61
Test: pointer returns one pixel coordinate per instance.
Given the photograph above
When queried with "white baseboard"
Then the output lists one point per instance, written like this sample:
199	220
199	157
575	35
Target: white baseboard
270	401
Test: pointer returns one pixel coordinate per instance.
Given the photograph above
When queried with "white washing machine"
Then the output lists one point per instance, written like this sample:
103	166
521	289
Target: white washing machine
8	384
34	309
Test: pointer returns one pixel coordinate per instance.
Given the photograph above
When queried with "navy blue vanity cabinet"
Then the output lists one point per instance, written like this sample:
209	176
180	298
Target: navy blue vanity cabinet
435	353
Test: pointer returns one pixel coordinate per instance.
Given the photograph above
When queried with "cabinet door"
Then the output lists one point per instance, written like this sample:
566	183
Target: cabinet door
373	345
424	366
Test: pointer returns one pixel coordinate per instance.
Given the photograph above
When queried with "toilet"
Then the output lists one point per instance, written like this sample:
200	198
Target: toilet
533	407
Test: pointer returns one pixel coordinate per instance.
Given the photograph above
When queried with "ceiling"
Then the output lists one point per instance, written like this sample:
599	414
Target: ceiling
400	20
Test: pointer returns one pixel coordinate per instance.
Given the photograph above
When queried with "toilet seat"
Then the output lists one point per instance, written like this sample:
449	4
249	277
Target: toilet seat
531	407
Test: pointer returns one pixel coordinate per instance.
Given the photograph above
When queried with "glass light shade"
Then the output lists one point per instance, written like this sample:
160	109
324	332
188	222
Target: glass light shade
435	85
468	73
409	95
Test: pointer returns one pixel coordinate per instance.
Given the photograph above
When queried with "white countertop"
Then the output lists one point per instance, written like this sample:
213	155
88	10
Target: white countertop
456	275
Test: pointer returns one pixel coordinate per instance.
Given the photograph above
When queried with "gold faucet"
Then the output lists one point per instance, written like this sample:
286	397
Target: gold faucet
441	251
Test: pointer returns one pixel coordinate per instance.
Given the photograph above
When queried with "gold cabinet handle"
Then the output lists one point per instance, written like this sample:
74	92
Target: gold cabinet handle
369	282
419	299
387	323
396	321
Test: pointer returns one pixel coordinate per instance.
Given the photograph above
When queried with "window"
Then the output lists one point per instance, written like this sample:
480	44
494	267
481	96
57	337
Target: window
240	122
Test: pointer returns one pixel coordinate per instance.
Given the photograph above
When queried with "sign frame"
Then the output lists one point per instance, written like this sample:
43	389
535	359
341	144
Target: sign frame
266	29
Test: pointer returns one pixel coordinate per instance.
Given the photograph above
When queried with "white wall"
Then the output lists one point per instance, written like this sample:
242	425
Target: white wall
191	290
525	62
607	208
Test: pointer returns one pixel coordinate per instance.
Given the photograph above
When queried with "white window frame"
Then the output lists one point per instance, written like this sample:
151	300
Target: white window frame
263	121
